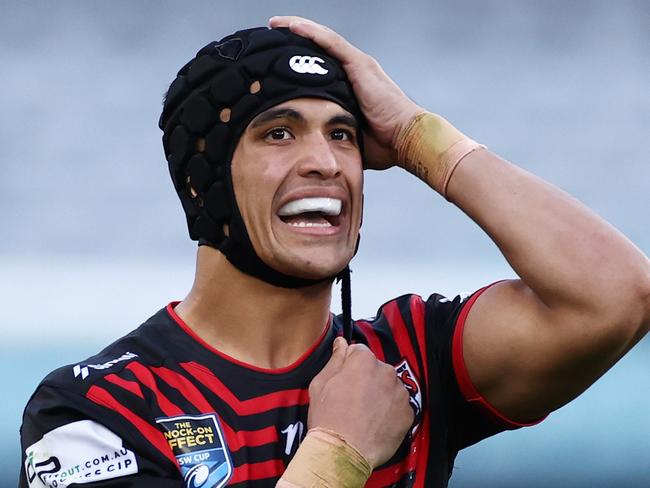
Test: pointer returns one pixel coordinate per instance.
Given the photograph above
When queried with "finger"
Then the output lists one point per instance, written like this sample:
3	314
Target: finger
285	20
289	20
360	351
332	42
339	349
339	342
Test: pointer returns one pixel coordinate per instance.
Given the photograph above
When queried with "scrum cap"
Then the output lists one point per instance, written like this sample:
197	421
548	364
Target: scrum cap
207	108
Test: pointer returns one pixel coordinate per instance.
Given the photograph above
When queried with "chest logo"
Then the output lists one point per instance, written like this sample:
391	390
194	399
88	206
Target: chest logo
200	449
405	374
293	433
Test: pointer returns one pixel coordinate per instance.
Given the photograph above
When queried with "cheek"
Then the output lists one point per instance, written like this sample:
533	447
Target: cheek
355	179
242	181
252	184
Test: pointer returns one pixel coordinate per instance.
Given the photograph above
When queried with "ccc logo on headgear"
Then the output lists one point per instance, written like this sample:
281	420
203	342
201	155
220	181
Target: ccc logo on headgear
307	64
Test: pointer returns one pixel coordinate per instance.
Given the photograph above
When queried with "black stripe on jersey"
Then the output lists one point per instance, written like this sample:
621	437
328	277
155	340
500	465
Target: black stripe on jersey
383	332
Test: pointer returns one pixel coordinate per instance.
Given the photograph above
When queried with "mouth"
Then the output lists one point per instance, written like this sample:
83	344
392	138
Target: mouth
314	213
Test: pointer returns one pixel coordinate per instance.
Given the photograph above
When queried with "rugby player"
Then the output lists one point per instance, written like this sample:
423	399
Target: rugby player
250	380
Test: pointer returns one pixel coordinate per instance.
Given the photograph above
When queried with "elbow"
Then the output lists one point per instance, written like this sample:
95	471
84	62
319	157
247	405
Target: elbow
638	316
626	312
645	300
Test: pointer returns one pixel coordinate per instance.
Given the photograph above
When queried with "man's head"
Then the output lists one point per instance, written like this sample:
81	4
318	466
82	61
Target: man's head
233	180
297	176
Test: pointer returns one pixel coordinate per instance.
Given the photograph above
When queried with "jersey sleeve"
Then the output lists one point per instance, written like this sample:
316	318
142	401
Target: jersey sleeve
69	440
470	416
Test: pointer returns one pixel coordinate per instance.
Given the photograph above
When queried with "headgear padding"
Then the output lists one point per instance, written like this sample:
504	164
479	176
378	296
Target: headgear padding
206	110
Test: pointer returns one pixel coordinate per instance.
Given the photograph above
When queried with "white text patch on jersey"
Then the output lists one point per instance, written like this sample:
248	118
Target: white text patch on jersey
79	452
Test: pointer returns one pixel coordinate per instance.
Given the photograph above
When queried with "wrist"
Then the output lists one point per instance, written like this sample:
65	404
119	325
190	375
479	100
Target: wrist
430	147
325	459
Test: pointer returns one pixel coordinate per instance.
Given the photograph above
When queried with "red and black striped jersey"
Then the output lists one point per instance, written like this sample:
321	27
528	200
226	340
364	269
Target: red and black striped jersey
159	407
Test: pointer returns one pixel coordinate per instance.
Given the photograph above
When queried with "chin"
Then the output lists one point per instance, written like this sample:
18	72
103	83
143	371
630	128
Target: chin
314	269
314	272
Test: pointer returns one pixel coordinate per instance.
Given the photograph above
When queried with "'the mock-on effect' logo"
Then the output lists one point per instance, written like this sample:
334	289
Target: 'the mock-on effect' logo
200	449
307	64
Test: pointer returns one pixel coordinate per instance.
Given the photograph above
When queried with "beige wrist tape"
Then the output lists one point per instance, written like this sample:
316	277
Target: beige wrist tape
325	460
431	148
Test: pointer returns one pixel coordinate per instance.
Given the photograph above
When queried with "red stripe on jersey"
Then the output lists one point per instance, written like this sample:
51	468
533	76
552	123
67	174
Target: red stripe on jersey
264	403
417	314
467	388
146	377
248	438
235	439
421	455
257	471
373	341
132	386
401	336
102	397
186	388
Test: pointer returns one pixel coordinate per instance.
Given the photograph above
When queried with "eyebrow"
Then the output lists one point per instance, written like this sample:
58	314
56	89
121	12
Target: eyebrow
279	113
344	119
289	113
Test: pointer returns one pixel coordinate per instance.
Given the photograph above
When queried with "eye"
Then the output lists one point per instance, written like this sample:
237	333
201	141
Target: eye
278	134
342	135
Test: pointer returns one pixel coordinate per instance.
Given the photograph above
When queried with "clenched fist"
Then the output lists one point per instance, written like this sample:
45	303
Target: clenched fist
361	398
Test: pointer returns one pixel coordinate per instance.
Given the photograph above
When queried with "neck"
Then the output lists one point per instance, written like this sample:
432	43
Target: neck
254	322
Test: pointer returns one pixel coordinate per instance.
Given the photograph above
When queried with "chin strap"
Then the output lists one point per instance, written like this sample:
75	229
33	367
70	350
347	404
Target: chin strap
346	303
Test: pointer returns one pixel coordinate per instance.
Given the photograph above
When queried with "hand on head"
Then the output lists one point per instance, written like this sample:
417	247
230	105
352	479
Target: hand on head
386	107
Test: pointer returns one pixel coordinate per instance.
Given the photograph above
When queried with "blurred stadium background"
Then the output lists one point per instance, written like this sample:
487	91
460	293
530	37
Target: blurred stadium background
94	241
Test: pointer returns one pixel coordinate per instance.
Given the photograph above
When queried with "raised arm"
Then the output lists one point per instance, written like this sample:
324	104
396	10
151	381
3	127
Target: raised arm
583	298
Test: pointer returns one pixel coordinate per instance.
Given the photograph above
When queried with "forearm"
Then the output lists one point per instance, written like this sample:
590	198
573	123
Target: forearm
568	256
563	251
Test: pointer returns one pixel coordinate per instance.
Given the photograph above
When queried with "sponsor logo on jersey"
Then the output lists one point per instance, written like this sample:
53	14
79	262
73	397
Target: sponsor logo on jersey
294	433
200	449
307	65
405	374
84	370
79	452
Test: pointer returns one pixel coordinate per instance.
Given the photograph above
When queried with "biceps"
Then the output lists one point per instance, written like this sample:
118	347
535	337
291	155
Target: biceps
527	359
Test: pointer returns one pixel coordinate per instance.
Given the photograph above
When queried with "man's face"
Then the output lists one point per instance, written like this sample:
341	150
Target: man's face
298	177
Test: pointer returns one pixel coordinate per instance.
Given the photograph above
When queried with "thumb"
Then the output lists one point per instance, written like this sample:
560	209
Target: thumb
339	349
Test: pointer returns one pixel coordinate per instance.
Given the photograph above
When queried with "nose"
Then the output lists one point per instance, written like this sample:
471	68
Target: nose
317	159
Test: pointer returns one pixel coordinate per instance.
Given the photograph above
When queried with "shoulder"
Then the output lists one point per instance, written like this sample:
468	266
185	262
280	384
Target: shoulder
71	386
143	344
66	425
413	312
415	330
410	328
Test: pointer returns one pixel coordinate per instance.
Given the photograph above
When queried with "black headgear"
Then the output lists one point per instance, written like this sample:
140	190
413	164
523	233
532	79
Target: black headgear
207	108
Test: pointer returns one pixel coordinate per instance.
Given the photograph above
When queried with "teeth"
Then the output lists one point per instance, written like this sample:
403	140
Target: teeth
310	224
327	206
